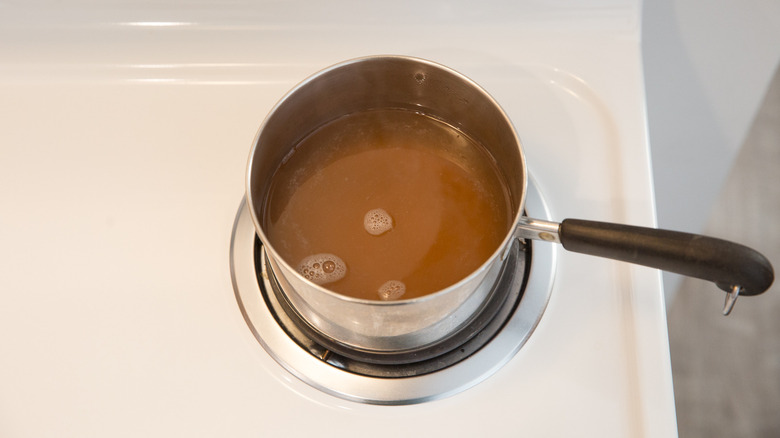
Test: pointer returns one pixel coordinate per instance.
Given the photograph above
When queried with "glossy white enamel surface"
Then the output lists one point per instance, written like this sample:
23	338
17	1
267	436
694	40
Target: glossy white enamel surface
125	133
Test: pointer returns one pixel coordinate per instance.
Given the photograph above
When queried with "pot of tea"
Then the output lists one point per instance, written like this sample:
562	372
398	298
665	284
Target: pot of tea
387	191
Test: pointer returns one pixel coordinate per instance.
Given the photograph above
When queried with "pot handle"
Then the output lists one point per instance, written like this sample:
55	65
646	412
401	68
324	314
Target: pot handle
735	268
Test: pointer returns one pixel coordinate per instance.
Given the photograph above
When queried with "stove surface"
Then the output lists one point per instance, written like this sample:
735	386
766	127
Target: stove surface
126	130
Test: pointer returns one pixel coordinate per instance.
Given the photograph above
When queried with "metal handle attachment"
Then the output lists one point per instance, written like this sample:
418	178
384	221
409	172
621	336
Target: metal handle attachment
529	228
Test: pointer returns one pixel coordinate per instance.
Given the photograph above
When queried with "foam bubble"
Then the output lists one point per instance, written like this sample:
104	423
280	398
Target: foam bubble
377	221
392	290
322	268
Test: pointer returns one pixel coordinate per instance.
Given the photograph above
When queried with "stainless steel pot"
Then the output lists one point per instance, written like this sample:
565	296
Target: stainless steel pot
407	325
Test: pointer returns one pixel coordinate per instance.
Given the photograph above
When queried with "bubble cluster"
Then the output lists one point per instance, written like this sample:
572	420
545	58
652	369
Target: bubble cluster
377	221
392	290
322	268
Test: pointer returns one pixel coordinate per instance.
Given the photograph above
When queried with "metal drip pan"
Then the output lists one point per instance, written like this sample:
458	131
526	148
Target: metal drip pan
508	319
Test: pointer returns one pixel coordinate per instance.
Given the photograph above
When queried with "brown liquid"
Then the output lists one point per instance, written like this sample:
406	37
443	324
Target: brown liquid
449	207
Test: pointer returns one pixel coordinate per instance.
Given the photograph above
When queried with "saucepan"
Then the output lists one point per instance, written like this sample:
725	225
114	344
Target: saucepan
390	327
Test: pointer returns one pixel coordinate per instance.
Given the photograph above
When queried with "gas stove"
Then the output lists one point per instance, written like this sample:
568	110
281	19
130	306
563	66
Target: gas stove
124	146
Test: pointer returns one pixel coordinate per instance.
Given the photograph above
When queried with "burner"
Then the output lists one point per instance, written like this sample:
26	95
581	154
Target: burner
501	303
490	339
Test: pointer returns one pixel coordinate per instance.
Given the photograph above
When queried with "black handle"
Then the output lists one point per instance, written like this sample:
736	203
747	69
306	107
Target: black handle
726	263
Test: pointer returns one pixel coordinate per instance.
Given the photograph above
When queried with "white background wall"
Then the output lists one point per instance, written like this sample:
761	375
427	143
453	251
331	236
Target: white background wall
707	65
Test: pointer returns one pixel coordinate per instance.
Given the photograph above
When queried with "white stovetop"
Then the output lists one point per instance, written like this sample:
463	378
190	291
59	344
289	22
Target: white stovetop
125	132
